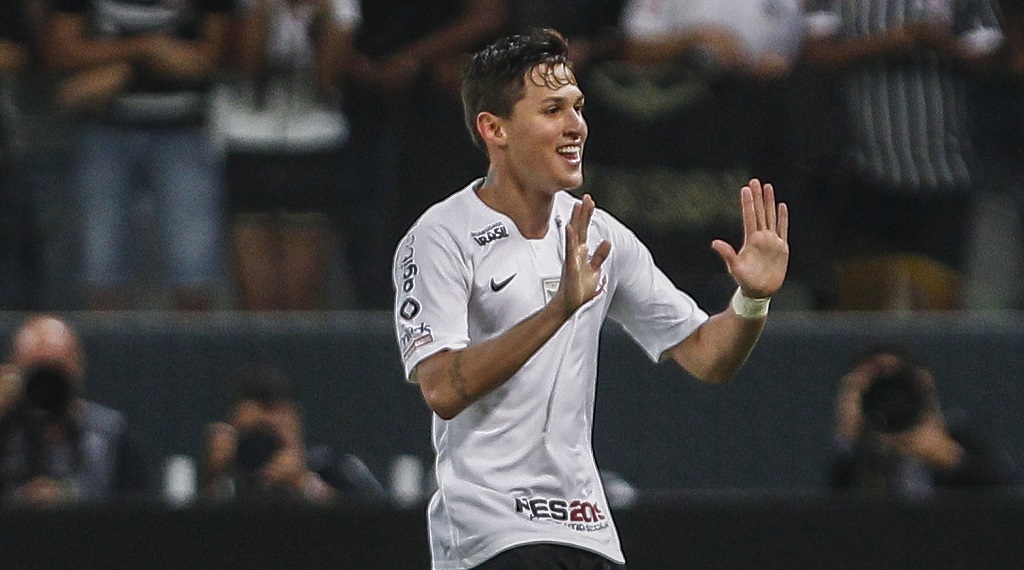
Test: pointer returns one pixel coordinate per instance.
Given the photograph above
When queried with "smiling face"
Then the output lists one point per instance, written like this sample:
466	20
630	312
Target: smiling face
545	134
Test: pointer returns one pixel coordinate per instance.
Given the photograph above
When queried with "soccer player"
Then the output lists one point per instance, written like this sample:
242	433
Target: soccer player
501	292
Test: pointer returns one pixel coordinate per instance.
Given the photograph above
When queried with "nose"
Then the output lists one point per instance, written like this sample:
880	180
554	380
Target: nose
576	126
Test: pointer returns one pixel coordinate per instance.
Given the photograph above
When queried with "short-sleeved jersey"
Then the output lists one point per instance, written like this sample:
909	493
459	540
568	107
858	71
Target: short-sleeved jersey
517	466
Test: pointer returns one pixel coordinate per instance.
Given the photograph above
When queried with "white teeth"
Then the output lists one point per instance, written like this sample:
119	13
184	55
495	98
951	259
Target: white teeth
572	149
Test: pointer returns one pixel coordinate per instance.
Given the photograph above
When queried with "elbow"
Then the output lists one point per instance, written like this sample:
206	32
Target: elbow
717	377
705	372
441	401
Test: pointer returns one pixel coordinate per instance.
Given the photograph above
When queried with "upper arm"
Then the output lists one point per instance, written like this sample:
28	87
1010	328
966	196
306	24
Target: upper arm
64	31
652	310
431	296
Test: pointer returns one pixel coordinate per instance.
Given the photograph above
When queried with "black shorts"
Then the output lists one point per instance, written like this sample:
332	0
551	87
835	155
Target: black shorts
877	221
548	557
280	183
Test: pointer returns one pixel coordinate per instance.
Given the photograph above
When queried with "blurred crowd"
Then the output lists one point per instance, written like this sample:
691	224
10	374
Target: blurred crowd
267	154
891	437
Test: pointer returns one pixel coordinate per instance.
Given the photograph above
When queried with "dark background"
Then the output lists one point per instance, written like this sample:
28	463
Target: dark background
770	428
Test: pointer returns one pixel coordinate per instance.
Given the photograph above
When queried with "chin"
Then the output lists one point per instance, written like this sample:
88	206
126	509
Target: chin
572	182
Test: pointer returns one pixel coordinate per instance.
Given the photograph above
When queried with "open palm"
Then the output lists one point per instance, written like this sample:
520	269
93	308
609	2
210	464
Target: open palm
759	267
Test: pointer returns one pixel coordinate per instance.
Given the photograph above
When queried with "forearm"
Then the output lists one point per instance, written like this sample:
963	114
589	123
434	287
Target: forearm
70	49
660	49
481	19
252	41
838	54
198	59
333	52
719	347
13	56
452	380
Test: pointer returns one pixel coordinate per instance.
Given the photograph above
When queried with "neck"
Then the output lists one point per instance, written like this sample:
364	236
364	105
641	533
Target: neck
530	209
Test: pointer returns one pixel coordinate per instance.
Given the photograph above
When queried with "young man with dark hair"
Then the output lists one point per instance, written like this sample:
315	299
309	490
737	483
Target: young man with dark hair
502	290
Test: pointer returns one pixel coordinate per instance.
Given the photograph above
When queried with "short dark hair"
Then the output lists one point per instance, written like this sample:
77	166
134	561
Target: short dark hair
494	79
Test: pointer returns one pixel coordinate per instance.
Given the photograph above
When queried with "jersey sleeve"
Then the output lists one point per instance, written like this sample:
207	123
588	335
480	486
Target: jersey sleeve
432	285
652	310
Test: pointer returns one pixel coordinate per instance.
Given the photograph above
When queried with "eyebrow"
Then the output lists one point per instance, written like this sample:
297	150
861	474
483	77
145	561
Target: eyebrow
560	98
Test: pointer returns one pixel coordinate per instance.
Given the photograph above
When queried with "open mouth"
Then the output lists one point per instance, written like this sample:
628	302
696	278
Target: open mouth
572	152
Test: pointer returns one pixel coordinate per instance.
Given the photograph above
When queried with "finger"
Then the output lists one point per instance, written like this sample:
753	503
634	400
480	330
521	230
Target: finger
783	229
574	218
570	238
588	213
769	206
756	191
600	255
747	208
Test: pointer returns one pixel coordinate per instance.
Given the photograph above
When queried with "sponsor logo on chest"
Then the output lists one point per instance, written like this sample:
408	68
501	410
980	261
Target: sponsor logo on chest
493	232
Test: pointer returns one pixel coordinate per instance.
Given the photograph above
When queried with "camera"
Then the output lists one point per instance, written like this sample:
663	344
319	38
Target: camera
48	390
256	447
895	401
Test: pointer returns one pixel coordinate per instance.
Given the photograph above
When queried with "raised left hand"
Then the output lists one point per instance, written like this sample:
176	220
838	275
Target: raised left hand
759	268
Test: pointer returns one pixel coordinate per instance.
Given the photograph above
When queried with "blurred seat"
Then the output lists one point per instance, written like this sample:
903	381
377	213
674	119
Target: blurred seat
897	282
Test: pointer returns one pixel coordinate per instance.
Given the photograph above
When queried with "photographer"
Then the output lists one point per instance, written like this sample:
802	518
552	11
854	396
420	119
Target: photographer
893	438
55	445
259	452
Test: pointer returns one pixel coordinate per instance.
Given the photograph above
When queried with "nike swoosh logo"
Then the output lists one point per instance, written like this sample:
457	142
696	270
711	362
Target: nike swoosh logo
499	285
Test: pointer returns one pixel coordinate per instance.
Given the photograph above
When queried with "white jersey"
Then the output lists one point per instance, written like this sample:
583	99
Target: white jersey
517	466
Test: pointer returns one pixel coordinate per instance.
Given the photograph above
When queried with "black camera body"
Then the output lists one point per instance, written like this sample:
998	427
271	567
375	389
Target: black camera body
896	401
256	447
48	390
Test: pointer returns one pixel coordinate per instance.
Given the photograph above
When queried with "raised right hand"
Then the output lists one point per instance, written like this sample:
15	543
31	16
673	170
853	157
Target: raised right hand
581	272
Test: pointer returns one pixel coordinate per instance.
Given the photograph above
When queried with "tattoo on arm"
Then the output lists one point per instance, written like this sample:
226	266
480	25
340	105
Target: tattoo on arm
458	380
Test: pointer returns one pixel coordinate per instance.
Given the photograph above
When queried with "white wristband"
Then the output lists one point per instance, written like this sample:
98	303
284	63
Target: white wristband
748	308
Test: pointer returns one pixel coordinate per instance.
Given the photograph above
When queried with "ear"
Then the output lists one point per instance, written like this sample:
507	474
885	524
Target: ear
491	128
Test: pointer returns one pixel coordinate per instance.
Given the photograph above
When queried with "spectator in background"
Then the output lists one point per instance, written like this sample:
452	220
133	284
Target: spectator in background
55	445
893	438
1013	19
39	222
259	451
14	59
903	217
139	79
284	132
407	147
699	102
591	26
756	37
997	119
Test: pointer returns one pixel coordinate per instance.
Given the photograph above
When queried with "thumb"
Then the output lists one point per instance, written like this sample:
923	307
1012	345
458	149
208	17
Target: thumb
725	251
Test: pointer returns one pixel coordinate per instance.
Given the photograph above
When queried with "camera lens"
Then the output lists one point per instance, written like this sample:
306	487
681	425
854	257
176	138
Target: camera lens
48	389
256	448
894	402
